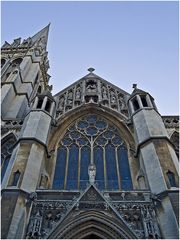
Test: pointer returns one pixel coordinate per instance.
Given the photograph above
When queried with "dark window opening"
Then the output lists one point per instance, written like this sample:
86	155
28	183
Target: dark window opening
135	104
16	178
39	89
7	74
171	178
7	146
48	106
39	105
3	61
144	102
17	61
36	79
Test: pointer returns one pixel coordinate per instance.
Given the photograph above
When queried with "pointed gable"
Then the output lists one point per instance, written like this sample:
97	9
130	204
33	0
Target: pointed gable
41	37
98	209
92	89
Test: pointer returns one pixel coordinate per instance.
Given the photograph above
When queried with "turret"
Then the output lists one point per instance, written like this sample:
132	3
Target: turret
156	154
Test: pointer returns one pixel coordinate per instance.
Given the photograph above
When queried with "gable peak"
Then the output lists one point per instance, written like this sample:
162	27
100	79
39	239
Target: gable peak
42	36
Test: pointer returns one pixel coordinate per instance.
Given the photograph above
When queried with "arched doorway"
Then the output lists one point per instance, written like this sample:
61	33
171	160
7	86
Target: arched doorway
92	225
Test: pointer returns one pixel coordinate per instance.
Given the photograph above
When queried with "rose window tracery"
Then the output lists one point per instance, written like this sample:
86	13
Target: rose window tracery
92	140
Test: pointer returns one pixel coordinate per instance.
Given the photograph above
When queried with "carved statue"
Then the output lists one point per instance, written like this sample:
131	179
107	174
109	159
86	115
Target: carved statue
78	93
43	182
61	104
113	97
121	103
104	93
70	98
91	87
92	172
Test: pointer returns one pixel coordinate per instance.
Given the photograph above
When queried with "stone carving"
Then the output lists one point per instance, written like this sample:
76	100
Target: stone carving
113	97
70	98
104	92
61	104
91	91
171	121
91	86
122	104
92	173
44	181
136	211
78	94
34	228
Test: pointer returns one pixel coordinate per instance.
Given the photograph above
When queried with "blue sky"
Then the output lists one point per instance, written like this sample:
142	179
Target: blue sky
126	42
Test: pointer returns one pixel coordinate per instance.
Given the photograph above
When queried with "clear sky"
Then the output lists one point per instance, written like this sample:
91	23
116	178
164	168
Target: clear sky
126	42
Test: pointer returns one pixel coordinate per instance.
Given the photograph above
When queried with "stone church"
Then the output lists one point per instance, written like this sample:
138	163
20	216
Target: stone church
92	161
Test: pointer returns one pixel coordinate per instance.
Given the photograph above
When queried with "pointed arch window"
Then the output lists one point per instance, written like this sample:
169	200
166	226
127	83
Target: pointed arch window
92	139
7	145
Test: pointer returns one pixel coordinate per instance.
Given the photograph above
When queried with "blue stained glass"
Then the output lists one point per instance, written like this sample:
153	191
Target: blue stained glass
108	134
111	168
101	124
101	141
82	124
58	182
91	131
66	141
82	141
126	182
85	160
75	135
4	167
91	119
117	140
98	161
72	176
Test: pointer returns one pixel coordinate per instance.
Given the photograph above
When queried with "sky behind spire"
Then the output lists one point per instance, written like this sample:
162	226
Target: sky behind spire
126	43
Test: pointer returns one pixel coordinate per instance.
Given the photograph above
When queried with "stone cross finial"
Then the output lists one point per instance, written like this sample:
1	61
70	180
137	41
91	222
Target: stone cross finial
91	70
134	85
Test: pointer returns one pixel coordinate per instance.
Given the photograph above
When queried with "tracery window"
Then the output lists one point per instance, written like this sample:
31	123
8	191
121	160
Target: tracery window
92	139
6	151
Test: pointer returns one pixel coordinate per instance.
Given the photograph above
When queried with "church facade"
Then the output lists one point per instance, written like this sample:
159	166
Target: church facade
93	161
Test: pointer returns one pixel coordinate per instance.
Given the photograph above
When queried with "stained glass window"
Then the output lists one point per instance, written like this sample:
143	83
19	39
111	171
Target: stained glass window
92	139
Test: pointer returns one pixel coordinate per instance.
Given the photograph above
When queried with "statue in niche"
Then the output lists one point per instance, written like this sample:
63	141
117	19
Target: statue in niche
92	173
70	98
44	181
61	104
113	97
104	93
122	103
78	94
91	87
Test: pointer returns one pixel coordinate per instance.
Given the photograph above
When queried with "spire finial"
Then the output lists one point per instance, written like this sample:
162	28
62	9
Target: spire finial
91	70
134	85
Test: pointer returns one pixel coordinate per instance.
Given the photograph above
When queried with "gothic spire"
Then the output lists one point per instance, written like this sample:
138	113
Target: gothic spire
42	36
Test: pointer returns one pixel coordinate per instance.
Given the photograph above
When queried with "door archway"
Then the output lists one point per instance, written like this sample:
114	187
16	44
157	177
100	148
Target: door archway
92	224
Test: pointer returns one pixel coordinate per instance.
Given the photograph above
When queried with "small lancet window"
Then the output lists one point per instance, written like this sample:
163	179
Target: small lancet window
36	79
3	61
39	89
16	178
144	102
171	178
135	104
40	102
48	106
